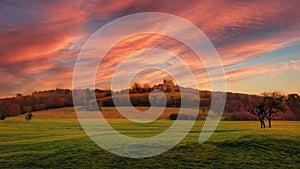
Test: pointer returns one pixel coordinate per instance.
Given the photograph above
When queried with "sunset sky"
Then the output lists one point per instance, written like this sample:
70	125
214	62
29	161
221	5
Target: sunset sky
258	42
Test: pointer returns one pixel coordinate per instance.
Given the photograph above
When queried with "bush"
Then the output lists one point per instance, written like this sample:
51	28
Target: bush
3	113
173	116
2	116
239	116
181	117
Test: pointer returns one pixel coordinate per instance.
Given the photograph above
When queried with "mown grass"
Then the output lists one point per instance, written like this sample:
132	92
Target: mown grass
55	139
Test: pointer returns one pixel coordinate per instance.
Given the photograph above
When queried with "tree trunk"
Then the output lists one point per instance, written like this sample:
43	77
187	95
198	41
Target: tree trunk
269	120
264	125
261	125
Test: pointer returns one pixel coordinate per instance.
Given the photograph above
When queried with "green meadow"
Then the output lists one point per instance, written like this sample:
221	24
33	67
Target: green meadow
55	139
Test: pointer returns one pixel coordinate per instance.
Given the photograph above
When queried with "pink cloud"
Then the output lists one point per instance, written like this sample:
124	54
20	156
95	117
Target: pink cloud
295	65
40	41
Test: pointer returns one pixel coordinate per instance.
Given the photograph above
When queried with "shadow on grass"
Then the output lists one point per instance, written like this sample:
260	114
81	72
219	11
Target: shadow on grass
248	151
219	131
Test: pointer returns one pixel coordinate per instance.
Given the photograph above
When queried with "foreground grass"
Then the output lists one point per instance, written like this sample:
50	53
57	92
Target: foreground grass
49	141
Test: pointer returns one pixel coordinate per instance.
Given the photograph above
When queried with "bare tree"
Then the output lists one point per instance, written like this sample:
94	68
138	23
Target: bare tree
274	103
136	87
259	111
267	107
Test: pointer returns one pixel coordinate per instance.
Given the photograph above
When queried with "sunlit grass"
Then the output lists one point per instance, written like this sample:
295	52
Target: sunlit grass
55	139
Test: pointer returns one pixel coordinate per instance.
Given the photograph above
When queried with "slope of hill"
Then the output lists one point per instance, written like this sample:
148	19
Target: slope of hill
236	107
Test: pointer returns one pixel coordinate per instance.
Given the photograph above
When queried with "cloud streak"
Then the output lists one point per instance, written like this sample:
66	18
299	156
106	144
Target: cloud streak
40	40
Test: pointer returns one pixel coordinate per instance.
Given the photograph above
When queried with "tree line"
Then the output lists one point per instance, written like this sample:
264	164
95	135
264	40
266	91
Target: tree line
41	100
238	106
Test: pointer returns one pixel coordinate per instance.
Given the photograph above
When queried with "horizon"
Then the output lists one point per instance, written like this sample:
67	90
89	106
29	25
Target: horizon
29	94
258	44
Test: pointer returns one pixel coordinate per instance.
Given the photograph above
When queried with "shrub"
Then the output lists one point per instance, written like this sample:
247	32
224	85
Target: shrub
173	116
2	116
3	113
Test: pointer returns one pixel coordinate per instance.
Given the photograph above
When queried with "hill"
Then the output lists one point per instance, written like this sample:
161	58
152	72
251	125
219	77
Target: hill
236	107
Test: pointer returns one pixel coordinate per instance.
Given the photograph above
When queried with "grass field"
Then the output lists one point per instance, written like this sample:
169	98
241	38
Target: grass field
55	139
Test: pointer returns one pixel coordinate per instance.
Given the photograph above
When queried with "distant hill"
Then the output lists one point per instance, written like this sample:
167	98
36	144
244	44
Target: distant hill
236	107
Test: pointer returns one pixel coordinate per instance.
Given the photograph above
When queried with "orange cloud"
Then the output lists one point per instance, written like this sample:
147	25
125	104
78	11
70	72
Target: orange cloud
40	41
